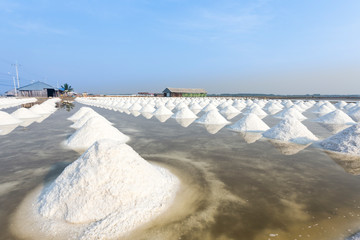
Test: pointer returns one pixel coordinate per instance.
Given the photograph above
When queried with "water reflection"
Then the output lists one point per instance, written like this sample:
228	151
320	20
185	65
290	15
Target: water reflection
147	115
288	148
185	122
27	122
163	118
42	118
213	128
135	113
6	129
250	137
68	106
351	164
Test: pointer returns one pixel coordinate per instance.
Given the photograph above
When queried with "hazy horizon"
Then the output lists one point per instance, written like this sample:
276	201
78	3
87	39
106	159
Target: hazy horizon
262	46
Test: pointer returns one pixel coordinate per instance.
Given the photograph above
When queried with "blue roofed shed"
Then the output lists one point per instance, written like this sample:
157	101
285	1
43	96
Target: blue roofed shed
38	89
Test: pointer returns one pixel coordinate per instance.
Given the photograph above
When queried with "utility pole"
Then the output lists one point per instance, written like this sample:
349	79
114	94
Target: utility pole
15	91
17	73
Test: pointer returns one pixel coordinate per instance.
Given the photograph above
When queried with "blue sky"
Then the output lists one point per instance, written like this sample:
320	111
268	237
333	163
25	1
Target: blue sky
127	46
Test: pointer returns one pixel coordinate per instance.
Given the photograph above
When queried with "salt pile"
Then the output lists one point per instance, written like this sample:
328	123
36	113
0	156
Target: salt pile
40	110
24	113
209	107
291	129
291	112
7	119
355	114
212	117
346	141
335	117
184	112
147	109
250	122
162	110
80	113
323	109
100	119
111	189
92	131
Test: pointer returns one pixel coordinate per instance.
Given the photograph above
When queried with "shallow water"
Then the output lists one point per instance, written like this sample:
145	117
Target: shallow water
233	189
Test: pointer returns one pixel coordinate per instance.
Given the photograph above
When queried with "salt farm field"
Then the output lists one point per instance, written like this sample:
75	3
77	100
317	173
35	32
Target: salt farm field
233	189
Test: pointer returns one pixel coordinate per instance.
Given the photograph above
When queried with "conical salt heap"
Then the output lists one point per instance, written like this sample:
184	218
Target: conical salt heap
80	113
249	123
184	112
355	114
212	117
335	117
24	113
148	108
291	112
7	119
291	129
111	189
94	130
256	109
82	121
347	141
162	110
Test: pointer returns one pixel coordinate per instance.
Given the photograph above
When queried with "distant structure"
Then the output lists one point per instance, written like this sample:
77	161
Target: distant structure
38	89
184	92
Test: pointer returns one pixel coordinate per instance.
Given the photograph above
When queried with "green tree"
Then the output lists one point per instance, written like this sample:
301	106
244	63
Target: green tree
67	88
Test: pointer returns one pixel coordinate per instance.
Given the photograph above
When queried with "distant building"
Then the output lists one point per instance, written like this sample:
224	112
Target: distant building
184	92
38	89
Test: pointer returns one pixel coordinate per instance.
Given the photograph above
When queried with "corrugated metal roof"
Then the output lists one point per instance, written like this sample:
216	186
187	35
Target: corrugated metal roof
186	90
36	86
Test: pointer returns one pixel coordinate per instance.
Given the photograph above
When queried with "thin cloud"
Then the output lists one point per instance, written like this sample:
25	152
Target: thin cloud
36	27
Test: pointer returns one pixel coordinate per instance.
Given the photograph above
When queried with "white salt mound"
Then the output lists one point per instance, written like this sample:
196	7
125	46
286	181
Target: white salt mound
346	141
111	188
82	121
212	117
290	113
7	119
79	114
291	129
335	117
24	113
229	110
37	109
250	123
184	112
162	110
92	131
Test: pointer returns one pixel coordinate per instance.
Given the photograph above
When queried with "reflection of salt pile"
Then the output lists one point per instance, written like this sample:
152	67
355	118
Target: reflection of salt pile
212	117
346	141
250	122
7	119
290	129
335	117
111	189
288	148
93	130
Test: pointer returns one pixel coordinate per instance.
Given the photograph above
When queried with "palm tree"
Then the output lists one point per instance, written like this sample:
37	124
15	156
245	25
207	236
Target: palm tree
67	88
